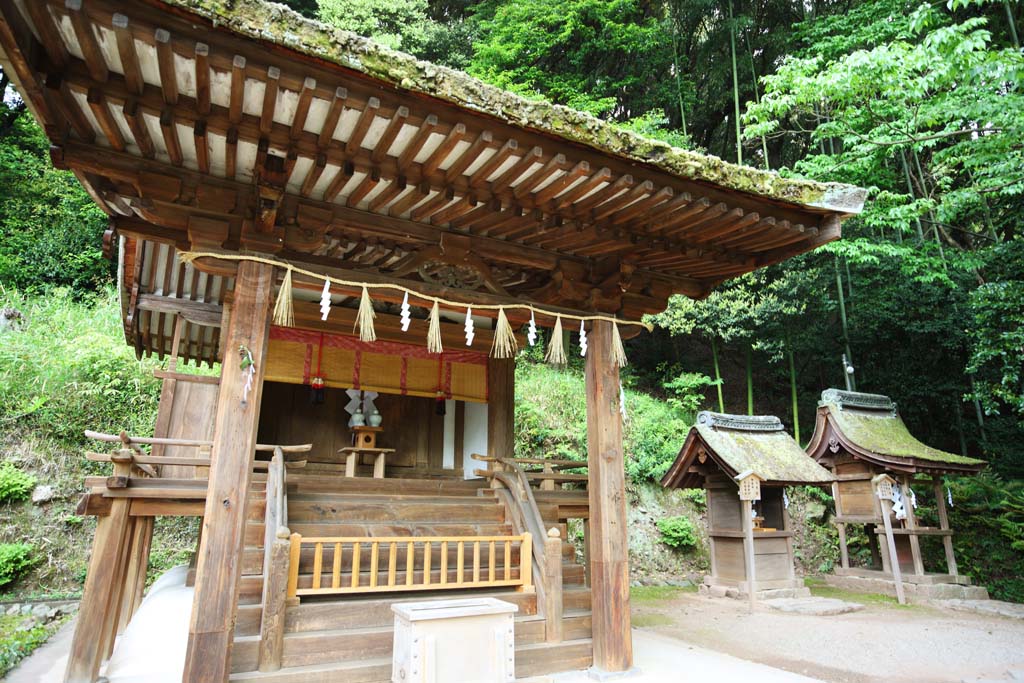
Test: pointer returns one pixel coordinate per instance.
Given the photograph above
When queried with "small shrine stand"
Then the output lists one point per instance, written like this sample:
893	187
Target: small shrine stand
364	439
877	462
744	463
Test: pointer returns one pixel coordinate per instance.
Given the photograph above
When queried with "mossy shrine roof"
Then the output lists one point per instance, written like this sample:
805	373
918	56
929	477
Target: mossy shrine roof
869	426
740	443
239	125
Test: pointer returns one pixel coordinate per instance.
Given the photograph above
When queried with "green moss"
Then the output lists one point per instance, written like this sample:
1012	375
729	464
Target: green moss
641	595
886	434
774	456
652	620
275	23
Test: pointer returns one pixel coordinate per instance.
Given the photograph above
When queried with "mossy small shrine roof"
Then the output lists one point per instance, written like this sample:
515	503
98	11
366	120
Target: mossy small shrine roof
222	126
741	443
869	427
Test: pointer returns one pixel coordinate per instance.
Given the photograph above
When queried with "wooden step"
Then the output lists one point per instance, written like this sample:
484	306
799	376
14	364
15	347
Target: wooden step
382	509
365	671
312	483
544	658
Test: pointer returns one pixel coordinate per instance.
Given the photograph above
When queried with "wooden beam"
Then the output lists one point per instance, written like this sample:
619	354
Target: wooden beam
87	42
609	543
165	63
366	116
211	632
270	87
237	93
169	129
49	36
129	56
501	379
198	312
100	110
331	120
302	106
202	60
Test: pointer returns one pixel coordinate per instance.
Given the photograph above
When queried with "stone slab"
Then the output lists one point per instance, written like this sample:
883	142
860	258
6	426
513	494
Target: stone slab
815	607
915	592
1011	610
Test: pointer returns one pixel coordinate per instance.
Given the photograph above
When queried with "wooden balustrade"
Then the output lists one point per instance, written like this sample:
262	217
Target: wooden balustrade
480	562
276	541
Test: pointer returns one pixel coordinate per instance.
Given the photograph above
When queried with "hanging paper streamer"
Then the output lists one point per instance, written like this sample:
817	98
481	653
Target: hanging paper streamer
325	300
618	353
785	499
949	496
248	366
583	338
364	318
622	401
898	508
406	319
434	331
913	497
505	345
531	331
468	327
284	314
556	352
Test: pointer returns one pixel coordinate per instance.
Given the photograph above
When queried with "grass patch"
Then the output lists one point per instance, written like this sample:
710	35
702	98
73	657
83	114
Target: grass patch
16	642
652	620
650	594
820	589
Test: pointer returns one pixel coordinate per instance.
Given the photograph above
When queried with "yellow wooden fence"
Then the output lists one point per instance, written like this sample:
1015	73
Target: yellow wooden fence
480	562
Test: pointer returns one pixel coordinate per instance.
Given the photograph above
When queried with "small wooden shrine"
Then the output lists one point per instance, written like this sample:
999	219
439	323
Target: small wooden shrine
861	437
744	463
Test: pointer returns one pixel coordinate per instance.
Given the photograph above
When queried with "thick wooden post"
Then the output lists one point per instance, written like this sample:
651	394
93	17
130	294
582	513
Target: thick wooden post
275	598
749	555
609	544
211	631
99	597
553	607
915	542
947	539
894	560
501	385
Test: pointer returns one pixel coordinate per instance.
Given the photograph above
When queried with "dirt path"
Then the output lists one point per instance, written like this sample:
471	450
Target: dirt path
884	642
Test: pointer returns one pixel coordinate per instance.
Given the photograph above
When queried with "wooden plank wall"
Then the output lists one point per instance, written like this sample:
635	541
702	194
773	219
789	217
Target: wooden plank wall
411	424
186	412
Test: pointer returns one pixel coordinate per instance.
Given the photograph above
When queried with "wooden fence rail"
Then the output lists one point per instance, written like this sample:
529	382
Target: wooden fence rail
476	565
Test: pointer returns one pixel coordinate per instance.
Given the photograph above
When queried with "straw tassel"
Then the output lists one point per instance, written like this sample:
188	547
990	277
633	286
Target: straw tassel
284	313
434	331
505	345
364	318
617	351
556	349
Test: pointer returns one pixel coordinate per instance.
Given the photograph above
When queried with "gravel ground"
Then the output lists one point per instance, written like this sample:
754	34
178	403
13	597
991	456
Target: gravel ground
883	642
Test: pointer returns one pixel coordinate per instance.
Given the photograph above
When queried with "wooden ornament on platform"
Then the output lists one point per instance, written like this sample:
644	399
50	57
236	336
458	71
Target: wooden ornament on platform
365	436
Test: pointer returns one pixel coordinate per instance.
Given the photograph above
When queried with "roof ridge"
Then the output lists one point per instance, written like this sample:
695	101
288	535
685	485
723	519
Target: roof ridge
855	399
742	423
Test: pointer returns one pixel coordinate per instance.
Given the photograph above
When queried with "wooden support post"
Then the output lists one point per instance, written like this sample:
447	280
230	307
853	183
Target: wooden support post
586	552
844	554
915	542
894	560
98	595
947	540
609	545
211	633
553	607
138	564
501	382
748	552
275	598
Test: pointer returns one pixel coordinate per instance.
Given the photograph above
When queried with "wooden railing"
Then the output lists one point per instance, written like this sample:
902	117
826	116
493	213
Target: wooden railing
517	494
551	472
276	555
470	569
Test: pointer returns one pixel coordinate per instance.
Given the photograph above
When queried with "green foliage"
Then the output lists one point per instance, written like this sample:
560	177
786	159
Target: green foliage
688	389
50	230
86	377
551	421
678	532
17	642
15	559
15	485
699	497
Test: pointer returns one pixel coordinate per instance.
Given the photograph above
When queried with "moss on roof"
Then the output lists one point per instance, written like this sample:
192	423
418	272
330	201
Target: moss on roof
759	444
885	433
275	23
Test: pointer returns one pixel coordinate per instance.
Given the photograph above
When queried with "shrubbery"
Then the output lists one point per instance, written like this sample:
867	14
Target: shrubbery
15	558
678	532
15	485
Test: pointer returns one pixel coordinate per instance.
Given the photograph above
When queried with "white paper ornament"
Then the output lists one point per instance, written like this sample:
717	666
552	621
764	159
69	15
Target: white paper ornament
785	500
325	300
469	326
622	401
949	496
531	331
583	339
406	319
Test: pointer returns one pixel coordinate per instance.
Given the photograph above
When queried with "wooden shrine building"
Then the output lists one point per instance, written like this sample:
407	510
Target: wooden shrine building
744	463
327	219
864	442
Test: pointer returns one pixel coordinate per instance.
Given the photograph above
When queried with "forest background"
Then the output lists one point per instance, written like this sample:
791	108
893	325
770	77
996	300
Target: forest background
923	104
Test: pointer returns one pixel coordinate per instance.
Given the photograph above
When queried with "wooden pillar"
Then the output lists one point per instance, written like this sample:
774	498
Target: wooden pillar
915	542
894	560
844	555
219	566
609	544
501	386
138	564
947	539
749	555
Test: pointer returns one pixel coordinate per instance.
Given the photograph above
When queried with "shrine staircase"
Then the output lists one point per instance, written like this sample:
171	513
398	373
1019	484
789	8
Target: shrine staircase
348	638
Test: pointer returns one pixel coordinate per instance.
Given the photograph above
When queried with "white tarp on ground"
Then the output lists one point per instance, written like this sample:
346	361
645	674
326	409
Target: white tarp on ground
152	648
